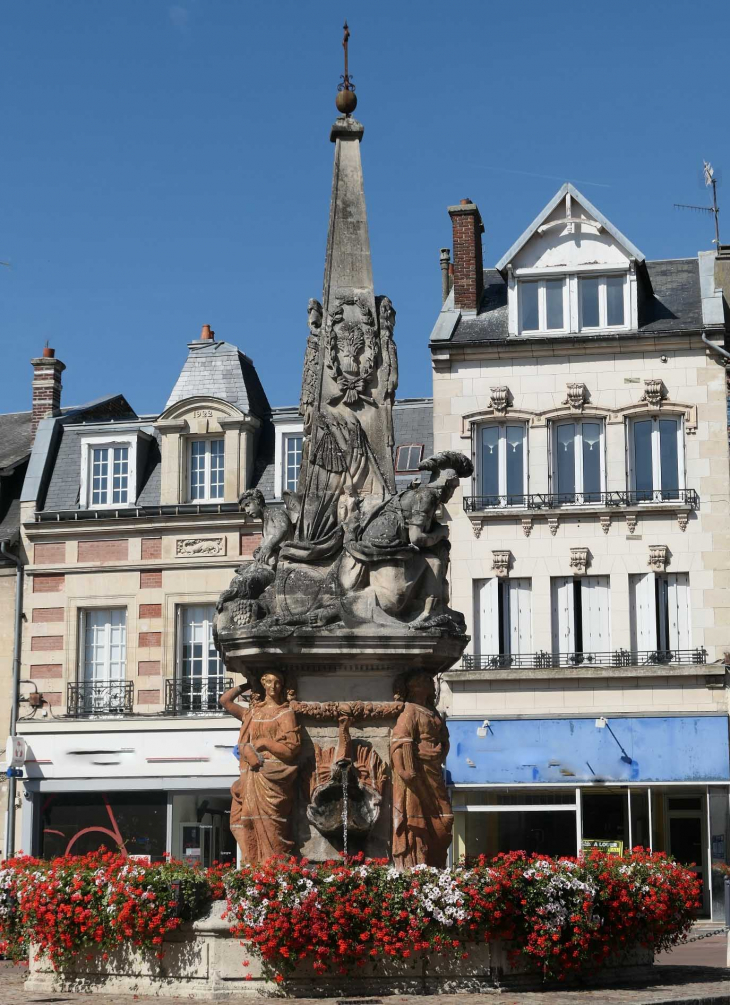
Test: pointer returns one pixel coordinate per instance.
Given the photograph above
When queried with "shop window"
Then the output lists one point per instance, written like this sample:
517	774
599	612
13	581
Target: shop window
206	468
201	831
605	817
580	616
408	457
660	613
79	822
656	460
503	616
200	668
502	464
546	832
578	474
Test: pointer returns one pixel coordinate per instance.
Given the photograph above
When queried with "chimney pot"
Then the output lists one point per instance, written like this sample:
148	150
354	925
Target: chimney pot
47	372
466	202
206	333
48	352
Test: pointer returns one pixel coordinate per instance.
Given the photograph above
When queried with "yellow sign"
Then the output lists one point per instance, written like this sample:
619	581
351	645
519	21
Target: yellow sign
609	847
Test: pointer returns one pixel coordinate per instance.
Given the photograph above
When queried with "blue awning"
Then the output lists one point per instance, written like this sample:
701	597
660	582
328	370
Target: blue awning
641	749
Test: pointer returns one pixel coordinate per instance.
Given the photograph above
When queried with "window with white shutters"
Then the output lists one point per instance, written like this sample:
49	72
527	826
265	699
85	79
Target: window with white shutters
581	615
660	613
503	617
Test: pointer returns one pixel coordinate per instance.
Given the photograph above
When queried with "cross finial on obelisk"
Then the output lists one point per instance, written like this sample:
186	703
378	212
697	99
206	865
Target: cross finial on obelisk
346	100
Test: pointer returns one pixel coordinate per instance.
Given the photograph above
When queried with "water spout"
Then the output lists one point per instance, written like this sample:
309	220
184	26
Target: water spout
345	766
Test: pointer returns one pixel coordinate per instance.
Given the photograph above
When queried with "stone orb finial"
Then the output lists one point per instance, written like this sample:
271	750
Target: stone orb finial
346	102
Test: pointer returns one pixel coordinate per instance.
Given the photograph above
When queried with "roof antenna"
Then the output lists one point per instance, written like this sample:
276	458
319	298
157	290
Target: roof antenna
710	179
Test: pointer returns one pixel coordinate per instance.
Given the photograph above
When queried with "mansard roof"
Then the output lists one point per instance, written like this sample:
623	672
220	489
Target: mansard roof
220	370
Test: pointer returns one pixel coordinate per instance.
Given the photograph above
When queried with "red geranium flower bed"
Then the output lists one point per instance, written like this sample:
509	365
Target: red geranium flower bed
560	915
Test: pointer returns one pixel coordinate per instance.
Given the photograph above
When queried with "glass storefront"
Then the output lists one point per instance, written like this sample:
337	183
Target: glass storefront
76	823
201	830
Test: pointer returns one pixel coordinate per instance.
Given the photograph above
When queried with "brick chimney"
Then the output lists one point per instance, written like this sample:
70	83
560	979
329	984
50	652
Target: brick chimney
468	269
47	372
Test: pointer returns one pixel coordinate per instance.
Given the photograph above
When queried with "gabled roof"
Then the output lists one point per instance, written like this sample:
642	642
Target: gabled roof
220	370
568	189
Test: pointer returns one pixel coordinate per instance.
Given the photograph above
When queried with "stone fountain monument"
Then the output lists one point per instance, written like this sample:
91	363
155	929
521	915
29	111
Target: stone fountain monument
341	623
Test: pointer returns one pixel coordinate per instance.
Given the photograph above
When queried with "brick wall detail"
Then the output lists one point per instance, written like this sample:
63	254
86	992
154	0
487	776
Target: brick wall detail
49	584
150	580
150	640
249	543
103	551
148	697
46	671
53	698
468	267
151	547
44	643
150	610
50	553
43	615
148	668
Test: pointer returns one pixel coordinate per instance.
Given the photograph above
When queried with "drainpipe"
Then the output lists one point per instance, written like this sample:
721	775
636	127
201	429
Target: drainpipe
15	692
716	348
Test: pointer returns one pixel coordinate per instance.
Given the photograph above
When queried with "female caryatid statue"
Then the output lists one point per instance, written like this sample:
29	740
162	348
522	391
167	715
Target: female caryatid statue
268	746
422	817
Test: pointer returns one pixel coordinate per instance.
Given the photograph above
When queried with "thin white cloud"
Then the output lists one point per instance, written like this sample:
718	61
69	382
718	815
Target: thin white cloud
179	17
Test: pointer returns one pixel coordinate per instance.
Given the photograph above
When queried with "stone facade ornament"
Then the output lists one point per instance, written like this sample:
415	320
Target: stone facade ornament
631	521
553	523
577	396
500	399
658	557
477	526
654	392
605	519
527	525
579	558
501	562
200	546
683	520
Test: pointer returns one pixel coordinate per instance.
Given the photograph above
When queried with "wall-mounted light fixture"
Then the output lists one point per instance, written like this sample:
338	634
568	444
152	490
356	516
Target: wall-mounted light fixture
484	728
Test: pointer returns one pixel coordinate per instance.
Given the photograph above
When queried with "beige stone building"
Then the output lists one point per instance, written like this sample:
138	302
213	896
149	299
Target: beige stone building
129	527
591	548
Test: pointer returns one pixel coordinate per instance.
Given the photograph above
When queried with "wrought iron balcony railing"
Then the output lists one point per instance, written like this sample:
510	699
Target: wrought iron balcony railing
185	695
100	698
554	500
556	661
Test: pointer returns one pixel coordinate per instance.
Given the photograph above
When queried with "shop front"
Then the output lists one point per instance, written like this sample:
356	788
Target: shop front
559	786
153	792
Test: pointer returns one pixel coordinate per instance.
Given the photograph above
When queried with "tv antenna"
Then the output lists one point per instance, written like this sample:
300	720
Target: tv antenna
710	179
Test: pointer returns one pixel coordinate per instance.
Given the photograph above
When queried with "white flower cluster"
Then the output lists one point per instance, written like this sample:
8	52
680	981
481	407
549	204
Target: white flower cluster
441	897
564	893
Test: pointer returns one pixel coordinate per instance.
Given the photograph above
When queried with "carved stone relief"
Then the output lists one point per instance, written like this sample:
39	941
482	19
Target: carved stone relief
198	546
654	392
605	519
501	562
579	558
658	557
500	399
631	521
577	396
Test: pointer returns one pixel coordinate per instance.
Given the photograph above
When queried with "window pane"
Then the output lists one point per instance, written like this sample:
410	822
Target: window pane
120	475
490	462
216	469
554	303
530	313
294	460
615	300
669	458
197	469
565	460
515	464
99	476
591	461
589	303
642	459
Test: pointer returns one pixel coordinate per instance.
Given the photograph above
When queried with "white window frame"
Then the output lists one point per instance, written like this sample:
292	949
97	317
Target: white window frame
407	446
206	497
650	609
577	421
503	607
285	460
91	443
282	431
502	461
542	304
180	641
106	677
656	461
595	610
603	324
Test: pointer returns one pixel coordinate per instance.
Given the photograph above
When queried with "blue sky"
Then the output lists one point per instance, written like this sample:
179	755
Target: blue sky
168	164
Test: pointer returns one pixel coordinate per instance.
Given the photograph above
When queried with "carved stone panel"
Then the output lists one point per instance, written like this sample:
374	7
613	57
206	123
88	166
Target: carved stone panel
658	557
579	559
500	399
654	392
191	547
501	563
577	395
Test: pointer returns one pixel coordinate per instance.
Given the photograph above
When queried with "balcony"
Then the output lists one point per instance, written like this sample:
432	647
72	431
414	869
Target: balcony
574	661
537	501
100	698
188	695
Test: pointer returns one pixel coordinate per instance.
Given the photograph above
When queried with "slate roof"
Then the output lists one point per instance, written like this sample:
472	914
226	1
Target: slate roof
14	437
669	300
15	449
220	370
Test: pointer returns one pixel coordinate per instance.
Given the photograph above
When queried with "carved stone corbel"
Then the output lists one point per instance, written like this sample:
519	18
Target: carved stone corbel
631	520
577	396
553	522
501	561
654	392
682	520
578	561
658	557
527	525
605	519
500	399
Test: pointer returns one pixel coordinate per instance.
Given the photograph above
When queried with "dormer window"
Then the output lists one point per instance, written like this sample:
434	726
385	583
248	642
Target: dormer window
206	470
542	305
408	457
603	301
108	472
